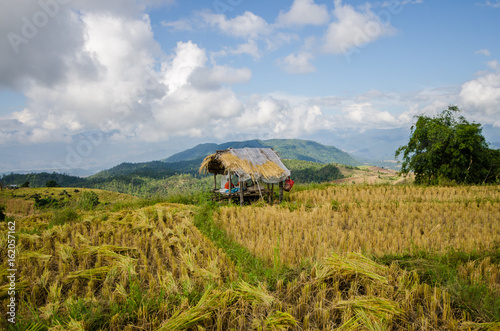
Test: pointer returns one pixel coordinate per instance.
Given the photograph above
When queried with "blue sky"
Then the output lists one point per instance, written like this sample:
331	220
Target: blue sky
89	84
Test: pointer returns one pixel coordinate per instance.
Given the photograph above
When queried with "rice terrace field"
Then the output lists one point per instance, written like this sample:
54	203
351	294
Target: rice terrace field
346	257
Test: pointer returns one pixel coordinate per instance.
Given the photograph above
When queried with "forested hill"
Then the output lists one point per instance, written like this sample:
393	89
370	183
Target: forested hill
293	149
309	161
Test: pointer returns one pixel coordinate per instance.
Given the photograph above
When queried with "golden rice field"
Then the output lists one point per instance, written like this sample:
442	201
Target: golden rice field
98	262
368	219
151	268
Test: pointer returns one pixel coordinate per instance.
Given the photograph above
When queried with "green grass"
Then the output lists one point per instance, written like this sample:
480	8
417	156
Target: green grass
251	268
64	216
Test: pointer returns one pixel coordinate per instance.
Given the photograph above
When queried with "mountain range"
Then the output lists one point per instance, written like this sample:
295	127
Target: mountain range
188	162
293	149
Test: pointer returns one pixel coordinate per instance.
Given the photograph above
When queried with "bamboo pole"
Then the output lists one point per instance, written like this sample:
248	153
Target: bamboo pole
281	191
241	193
229	189
268	193
272	193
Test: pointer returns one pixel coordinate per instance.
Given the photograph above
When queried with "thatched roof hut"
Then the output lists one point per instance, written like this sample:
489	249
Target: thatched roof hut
258	164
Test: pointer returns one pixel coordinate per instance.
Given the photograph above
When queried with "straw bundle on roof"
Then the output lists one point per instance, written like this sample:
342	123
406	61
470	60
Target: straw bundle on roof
206	161
270	169
233	163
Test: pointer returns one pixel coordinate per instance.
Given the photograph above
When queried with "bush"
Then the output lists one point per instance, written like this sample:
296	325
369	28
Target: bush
2	215
64	216
88	200
46	201
51	183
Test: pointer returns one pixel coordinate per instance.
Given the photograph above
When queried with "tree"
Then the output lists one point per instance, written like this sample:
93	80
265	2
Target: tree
51	183
449	148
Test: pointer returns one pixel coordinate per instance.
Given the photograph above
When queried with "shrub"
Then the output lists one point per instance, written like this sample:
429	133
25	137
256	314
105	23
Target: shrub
51	183
2	215
45	201
88	200
64	216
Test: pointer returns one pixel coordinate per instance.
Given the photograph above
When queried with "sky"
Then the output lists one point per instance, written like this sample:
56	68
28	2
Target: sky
88	84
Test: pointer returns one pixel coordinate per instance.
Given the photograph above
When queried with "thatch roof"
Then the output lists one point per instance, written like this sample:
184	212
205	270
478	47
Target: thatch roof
259	164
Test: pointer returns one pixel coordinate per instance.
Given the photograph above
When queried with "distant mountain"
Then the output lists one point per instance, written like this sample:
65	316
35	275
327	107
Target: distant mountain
40	179
202	150
152	169
294	149
120	177
370	145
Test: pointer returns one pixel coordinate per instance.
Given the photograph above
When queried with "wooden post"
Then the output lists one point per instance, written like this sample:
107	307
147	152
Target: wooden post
268	193
281	191
241	193
215	194
272	193
229	189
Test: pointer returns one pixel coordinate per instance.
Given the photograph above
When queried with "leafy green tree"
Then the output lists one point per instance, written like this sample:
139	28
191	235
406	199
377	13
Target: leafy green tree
449	148
51	183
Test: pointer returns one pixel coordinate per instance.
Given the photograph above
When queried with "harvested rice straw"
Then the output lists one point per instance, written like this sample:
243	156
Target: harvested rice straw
233	163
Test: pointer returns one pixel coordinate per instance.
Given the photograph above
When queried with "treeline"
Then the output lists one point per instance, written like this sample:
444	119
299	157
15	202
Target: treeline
41	179
153	169
178	184
312	172
160	178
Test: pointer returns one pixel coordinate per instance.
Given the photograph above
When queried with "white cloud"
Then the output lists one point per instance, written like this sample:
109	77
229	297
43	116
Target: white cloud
209	78
297	63
481	96
380	110
188	57
179	25
484	52
195	98
247	25
368	116
271	117
122	51
303	12
251	48
494	4
123	93
254	29
39	44
493	64
353	29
